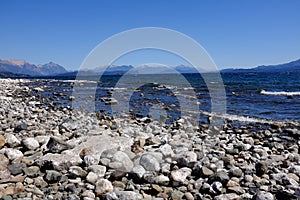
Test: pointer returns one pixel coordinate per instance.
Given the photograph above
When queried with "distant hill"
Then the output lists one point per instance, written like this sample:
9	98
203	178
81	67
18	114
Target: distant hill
12	75
293	66
23	67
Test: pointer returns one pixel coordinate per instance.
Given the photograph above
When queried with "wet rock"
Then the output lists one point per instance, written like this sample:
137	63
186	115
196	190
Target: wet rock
103	186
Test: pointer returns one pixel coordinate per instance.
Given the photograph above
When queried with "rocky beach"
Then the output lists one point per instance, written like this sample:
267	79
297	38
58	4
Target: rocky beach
50	152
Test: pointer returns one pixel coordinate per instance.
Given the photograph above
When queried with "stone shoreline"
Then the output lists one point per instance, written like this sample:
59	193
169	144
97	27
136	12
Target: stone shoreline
59	153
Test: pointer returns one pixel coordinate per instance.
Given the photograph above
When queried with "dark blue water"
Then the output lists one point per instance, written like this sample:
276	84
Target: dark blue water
274	96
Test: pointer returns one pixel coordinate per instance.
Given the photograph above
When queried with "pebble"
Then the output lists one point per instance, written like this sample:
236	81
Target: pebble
103	186
31	143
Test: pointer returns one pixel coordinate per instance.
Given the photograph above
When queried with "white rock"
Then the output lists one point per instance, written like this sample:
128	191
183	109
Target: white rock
11	140
13	154
92	177
181	174
31	143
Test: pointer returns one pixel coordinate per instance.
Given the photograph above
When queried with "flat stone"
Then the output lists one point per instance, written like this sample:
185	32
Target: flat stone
229	196
206	172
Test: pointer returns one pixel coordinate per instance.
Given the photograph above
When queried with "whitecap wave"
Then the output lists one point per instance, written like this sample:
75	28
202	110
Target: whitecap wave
281	93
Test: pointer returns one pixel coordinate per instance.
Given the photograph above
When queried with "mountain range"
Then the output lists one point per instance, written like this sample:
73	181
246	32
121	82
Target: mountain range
21	68
25	68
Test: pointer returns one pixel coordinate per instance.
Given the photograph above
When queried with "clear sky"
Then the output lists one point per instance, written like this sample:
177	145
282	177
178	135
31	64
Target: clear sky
236	33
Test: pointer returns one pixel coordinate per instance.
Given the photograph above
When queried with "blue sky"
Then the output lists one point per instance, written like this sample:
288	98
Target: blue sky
235	33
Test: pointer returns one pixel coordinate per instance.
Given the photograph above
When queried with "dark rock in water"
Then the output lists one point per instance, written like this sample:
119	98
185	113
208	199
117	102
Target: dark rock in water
16	168
54	145
261	168
20	127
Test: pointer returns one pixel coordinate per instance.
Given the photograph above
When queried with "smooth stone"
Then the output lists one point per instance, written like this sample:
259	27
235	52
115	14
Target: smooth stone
235	172
126	163
177	195
149	162
229	196
162	180
206	172
76	171
166	150
181	174
103	186
52	176
98	169
31	143
92	177
138	171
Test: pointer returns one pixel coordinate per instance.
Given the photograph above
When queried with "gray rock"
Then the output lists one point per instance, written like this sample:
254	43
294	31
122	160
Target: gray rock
138	171
126	163
98	169
32	171
77	171
11	140
149	162
236	172
16	168
31	143
261	195
162	180
129	195
220	176
177	195
187	159
57	145
52	176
